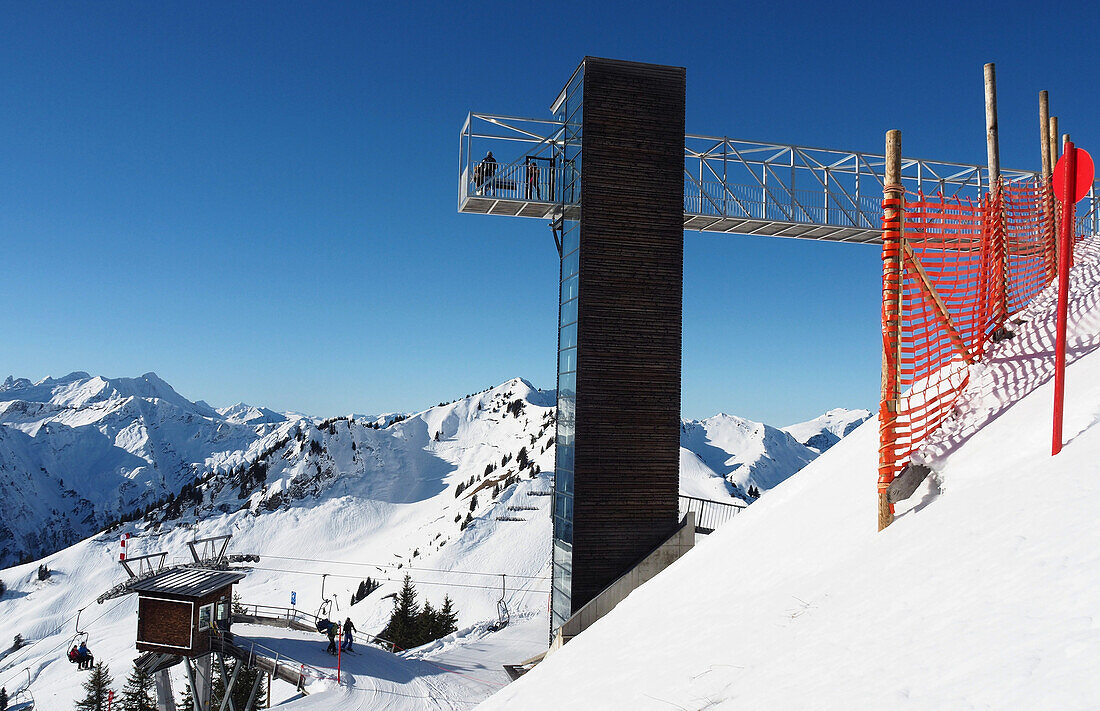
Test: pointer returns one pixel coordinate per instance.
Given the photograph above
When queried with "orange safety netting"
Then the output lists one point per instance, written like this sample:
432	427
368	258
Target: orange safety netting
953	271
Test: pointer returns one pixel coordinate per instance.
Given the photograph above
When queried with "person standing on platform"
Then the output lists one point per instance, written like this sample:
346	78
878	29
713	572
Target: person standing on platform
533	179
348	629
331	638
488	170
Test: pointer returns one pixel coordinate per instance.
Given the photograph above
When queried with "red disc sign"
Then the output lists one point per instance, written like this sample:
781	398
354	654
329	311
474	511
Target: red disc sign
1085	172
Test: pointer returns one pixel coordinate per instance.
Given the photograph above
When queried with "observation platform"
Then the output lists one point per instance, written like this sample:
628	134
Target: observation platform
730	186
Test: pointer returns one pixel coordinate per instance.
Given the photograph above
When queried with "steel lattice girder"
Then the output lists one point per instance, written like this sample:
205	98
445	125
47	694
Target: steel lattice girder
740	186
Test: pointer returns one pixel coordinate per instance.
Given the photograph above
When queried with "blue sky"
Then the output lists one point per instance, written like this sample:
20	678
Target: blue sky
257	200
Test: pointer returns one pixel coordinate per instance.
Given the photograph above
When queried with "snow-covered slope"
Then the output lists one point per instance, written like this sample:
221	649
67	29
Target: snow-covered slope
78	452
823	432
454	495
339	497
242	414
983	594
742	452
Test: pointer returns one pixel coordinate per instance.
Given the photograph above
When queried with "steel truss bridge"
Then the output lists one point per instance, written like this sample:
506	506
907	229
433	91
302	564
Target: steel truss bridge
730	185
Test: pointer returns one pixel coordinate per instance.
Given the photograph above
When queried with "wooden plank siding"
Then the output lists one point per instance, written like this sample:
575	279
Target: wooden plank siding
164	625
168	623
629	319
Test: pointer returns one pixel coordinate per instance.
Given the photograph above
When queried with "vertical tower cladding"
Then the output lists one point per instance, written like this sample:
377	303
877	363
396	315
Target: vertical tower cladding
617	471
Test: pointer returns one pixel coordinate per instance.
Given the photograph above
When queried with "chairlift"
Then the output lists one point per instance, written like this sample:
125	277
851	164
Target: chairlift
79	637
503	615
23	699
325	609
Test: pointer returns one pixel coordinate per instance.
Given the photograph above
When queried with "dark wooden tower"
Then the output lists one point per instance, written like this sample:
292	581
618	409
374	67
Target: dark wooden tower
617	471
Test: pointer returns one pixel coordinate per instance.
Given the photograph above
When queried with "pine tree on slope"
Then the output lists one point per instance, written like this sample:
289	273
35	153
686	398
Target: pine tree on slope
137	694
401	629
427	624
187	701
96	688
448	618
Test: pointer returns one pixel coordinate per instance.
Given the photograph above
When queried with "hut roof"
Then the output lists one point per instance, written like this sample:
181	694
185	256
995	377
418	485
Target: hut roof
188	582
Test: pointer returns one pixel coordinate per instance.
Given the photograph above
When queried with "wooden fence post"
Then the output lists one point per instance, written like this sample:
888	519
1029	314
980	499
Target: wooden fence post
1044	131
992	146
892	245
993	157
1056	215
1050	250
1053	133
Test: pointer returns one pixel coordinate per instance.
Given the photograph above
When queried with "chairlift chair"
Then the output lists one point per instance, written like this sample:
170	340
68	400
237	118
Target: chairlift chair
79	637
503	615
325	609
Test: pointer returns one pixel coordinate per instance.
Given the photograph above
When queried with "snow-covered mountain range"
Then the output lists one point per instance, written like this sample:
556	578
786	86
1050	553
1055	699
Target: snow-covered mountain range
455	495
81	452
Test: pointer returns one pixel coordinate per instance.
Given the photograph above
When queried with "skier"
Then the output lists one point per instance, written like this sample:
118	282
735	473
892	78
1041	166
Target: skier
74	655
84	656
348	629
331	631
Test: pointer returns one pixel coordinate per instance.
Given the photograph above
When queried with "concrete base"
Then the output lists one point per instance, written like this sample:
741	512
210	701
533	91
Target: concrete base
660	558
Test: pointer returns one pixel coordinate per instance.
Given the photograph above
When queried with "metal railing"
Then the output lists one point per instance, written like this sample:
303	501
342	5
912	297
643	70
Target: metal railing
273	612
291	615
711	198
709	514
523	181
271	661
724	178
1088	214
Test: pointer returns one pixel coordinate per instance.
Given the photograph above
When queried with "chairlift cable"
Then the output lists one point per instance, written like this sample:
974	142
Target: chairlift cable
407	567
391	580
58	629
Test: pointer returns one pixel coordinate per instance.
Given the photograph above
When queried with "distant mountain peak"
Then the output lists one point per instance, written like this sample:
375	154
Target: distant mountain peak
826	430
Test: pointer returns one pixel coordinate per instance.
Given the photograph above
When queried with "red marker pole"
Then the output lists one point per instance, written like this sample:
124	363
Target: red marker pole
1065	244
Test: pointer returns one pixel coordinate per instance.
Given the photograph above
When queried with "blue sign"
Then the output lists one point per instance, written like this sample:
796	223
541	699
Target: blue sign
293	597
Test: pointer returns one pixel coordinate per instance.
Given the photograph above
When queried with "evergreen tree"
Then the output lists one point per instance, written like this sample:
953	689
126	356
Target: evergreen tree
186	702
137	694
17	642
411	626
401	629
448	618
3	698
96	689
427	624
